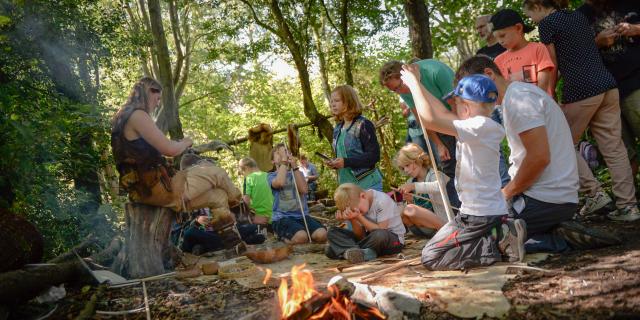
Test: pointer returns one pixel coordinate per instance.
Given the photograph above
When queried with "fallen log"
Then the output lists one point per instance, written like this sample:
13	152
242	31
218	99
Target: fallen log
22	285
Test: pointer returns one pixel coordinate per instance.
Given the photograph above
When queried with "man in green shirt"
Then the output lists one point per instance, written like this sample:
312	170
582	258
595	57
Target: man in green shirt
437	78
257	191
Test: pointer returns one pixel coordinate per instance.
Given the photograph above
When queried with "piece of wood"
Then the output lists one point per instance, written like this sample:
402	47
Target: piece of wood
146	246
22	285
396	266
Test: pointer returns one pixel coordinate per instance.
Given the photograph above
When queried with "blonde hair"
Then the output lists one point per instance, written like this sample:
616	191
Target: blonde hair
412	153
138	99
346	194
350	99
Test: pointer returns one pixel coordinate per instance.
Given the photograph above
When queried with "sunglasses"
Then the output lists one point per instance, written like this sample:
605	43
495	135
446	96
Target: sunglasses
154	90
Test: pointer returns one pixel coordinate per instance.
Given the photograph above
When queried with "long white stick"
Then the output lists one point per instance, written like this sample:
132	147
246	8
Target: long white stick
445	199
295	185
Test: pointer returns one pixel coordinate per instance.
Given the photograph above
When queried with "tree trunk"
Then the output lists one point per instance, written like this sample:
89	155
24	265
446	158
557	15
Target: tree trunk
287	37
326	89
168	119
346	55
419	31
146	245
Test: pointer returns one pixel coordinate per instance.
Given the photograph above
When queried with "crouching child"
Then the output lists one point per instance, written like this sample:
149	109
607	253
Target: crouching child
288	222
377	227
480	234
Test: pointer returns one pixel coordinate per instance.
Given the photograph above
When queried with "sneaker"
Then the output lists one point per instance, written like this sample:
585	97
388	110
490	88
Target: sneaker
354	255
582	238
512	243
595	203
628	213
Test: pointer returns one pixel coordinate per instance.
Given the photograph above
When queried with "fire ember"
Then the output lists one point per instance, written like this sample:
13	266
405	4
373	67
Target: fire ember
302	301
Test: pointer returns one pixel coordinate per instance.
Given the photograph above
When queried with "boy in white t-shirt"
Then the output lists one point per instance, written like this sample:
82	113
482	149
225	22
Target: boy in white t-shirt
480	234
377	227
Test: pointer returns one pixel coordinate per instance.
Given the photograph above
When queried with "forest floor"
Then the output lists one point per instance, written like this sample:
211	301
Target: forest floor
591	284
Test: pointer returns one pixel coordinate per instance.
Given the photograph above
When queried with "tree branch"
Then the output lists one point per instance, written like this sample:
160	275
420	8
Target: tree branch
257	20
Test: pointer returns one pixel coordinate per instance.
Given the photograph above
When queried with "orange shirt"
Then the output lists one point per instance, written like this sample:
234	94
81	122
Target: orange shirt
524	64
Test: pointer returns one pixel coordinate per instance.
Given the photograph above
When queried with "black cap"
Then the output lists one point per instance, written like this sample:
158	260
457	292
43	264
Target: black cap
507	18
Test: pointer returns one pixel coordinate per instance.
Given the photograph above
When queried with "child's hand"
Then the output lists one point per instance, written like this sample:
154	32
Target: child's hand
606	38
350	213
337	163
410	75
407	188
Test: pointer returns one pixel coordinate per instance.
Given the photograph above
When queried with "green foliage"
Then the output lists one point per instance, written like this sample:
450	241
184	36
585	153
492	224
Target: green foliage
51	125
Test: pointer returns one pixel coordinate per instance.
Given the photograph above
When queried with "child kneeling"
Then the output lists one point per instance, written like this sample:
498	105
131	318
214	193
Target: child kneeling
376	223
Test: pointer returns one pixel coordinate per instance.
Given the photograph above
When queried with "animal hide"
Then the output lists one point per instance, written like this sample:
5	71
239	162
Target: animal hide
293	139
260	145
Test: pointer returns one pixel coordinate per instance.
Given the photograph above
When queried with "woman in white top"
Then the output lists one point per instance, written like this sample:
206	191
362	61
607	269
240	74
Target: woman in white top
427	209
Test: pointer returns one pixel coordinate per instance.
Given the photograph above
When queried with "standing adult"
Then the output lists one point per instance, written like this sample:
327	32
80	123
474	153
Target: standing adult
492	48
617	28
310	175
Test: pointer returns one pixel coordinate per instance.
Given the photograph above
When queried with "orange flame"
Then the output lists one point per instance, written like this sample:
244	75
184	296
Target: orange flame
266	276
302	289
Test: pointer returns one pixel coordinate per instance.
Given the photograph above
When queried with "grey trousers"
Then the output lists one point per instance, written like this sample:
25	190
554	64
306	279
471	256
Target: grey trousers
382	241
464	243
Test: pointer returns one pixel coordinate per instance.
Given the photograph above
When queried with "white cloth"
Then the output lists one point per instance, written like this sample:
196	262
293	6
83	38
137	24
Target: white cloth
430	187
384	208
477	175
525	106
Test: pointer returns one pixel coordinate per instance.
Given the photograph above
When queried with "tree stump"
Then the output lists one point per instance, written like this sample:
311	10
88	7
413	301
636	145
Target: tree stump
147	247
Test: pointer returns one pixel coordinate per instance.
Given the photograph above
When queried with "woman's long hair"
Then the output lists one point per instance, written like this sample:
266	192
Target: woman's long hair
350	100
139	98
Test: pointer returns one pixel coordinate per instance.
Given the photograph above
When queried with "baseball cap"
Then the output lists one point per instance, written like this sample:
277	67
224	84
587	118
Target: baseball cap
476	87
507	18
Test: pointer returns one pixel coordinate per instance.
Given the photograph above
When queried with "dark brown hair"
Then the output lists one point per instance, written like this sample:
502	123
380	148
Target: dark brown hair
390	70
476	65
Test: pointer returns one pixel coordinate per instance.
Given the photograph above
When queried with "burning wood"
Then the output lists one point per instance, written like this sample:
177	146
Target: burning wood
303	301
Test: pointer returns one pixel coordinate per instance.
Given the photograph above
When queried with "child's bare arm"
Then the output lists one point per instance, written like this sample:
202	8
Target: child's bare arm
432	113
370	225
546	79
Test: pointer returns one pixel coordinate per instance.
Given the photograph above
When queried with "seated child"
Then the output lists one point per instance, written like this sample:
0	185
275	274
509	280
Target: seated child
481	233
200	236
256	190
377	228
418	215
288	223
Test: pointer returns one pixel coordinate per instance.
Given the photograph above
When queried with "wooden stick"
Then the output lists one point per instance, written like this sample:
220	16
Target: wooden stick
146	300
445	199
396	266
417	196
295	185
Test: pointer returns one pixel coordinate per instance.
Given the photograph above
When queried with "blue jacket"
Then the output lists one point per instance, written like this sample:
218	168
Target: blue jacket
361	144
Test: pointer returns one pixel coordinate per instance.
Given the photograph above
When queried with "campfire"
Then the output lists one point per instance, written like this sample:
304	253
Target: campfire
301	300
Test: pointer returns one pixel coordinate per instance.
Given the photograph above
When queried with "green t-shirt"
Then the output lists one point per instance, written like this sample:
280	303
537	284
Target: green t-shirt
436	77
345	175
258	189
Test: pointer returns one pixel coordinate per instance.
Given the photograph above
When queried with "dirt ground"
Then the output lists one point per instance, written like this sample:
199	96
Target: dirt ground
593	284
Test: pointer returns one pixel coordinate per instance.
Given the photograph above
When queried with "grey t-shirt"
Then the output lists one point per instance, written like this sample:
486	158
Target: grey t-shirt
384	208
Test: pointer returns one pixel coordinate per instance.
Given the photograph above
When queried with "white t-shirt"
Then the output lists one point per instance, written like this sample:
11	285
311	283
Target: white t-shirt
525	106
384	208
477	175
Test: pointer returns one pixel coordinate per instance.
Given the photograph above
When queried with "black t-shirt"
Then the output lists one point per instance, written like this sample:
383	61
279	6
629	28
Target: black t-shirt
579	61
623	57
492	51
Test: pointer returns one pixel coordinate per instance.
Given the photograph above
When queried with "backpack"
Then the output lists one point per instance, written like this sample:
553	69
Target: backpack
589	153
